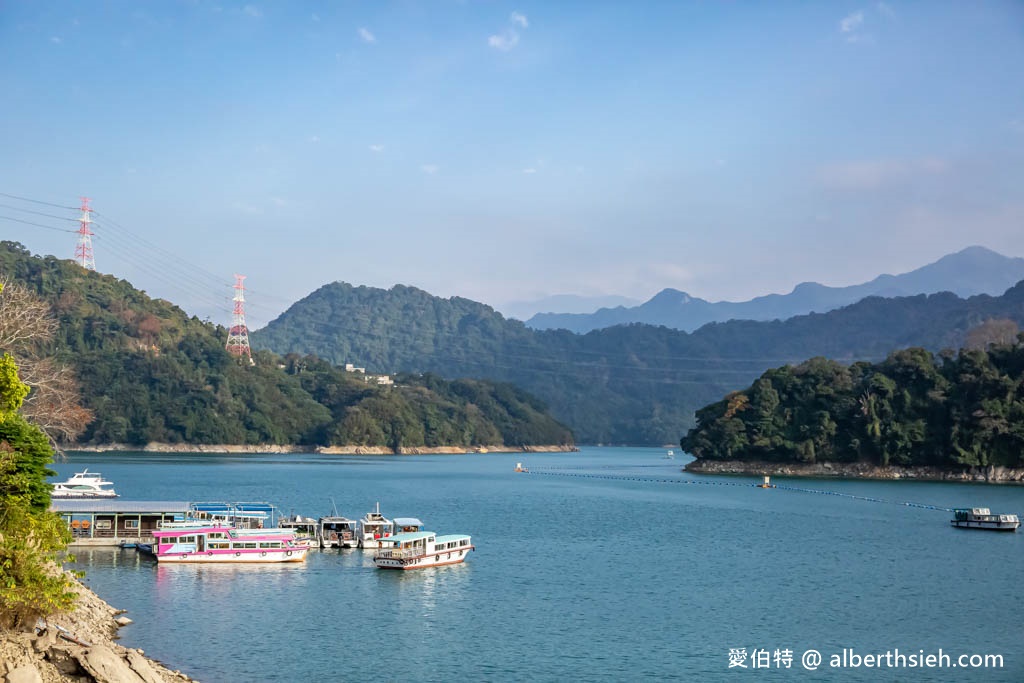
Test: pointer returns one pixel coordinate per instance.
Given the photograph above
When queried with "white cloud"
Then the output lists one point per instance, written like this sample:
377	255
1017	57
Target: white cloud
886	10
517	18
376	148
504	41
529	170
851	23
879	173
430	168
365	34
56	40
314	138
278	201
253	11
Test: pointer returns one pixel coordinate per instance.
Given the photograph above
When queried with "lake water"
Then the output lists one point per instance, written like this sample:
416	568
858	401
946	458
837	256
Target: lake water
601	565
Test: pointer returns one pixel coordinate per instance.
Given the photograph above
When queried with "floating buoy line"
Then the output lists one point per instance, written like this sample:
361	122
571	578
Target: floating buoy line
581	472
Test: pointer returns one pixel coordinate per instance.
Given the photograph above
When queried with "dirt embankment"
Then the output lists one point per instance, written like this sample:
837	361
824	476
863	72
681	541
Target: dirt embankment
857	470
79	646
331	450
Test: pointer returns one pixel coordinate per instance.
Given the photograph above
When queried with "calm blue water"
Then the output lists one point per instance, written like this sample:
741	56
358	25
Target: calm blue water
574	578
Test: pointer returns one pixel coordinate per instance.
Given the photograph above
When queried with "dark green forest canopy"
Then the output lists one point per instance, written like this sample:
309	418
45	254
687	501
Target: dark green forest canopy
151	373
632	384
914	408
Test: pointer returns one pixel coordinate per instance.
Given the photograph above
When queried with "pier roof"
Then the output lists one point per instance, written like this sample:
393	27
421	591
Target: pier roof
119	506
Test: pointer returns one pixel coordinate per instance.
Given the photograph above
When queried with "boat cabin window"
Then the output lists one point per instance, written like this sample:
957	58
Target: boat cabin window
275	544
170	539
244	545
464	542
215	534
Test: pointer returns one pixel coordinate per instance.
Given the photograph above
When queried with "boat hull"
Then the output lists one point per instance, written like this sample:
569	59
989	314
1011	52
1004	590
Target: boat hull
74	494
235	557
986	526
423	561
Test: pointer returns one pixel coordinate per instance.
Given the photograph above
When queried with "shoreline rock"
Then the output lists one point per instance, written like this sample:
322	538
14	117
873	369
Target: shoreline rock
858	470
325	450
79	646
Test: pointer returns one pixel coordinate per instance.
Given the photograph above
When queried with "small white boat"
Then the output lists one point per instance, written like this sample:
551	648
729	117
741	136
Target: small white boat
84	484
670	455
373	528
422	549
337	532
307	529
982	518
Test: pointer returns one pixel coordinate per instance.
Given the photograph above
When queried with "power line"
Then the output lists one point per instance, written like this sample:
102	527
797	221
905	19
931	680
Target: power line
37	201
38	213
38	225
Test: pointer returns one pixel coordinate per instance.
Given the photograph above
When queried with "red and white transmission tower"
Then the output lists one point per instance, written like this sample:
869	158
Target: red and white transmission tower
83	250
238	334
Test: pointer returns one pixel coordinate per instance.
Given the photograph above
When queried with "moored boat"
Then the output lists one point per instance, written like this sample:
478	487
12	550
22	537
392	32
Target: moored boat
982	518
84	484
405	525
373	529
337	532
422	549
307	529
204	544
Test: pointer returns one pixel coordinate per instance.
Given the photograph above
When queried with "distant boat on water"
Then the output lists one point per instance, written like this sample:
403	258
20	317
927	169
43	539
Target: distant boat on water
84	484
982	518
670	455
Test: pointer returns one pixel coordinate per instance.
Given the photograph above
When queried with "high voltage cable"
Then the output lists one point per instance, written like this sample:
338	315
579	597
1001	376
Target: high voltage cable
36	201
38	225
140	262
106	221
38	213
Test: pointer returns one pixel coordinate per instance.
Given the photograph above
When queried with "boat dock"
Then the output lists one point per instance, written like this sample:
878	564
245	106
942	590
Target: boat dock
116	522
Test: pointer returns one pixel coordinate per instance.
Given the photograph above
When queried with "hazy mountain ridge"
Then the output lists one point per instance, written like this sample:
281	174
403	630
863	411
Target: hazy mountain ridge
971	271
635	383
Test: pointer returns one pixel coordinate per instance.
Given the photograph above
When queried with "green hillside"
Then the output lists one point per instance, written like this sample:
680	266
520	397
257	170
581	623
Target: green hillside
912	409
633	384
150	372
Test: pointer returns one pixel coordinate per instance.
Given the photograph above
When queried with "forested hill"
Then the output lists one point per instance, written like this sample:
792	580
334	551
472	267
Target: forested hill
150	372
634	384
914	408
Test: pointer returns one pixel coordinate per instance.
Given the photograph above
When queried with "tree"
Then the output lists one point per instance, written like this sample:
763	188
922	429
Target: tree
30	535
53	403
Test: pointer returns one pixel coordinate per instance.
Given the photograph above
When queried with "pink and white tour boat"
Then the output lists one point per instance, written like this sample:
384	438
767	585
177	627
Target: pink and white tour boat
196	543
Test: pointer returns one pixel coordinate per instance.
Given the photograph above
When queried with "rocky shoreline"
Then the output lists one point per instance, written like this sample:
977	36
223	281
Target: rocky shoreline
327	450
857	470
79	646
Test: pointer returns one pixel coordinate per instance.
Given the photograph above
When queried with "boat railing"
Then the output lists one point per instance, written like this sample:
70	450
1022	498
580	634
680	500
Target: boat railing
399	554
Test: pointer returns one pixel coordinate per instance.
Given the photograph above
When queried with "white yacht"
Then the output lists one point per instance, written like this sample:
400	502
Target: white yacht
84	484
337	532
374	527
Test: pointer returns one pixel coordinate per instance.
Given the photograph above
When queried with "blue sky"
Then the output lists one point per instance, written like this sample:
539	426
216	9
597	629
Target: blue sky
507	151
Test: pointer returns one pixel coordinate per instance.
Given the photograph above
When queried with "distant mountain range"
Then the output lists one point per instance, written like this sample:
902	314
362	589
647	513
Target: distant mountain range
628	384
563	303
974	270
